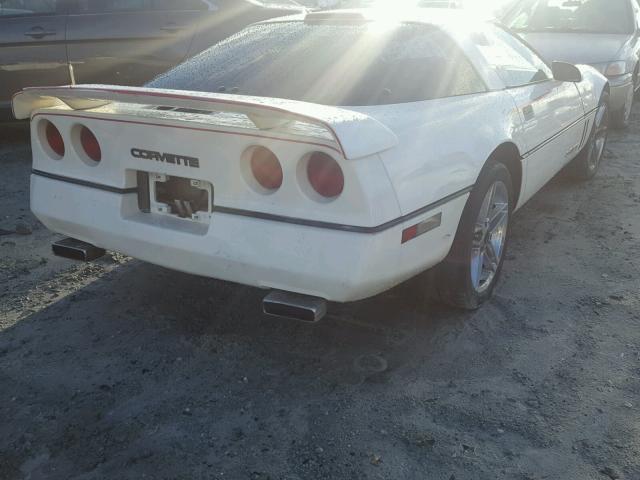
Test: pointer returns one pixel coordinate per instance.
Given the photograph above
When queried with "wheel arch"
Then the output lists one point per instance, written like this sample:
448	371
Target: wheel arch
508	154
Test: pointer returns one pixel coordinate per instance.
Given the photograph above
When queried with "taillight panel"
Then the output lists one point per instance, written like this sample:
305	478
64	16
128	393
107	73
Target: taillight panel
318	175
290	177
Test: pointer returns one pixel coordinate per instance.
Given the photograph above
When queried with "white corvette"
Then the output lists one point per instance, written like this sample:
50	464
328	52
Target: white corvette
330	156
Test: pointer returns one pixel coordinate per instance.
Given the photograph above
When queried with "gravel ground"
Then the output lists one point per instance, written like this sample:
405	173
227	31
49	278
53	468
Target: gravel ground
120	369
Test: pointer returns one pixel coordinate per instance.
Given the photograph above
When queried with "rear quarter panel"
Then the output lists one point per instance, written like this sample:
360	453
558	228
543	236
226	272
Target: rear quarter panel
443	144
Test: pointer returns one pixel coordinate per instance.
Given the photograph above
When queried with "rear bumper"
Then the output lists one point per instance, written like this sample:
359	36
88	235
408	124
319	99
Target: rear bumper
335	265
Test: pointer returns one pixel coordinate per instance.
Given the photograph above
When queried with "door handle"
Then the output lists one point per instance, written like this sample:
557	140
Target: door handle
39	32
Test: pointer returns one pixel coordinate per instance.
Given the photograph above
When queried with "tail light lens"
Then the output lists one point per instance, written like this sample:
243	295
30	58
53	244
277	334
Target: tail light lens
266	168
90	144
325	175
54	139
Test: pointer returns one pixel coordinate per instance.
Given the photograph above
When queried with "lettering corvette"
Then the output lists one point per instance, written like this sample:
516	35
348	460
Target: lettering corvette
166	157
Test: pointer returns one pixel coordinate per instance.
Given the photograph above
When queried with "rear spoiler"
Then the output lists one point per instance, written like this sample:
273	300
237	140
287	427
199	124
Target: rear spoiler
355	135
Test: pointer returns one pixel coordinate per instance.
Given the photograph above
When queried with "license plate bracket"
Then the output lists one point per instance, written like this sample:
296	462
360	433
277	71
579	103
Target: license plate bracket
180	197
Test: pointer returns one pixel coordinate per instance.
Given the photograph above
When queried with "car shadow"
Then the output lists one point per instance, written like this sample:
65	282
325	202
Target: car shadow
127	361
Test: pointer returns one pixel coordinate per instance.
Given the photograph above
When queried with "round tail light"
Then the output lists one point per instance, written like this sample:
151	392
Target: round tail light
266	168
90	144
325	175
54	139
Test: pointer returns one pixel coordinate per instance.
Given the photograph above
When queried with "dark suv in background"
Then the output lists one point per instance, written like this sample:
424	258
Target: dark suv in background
125	42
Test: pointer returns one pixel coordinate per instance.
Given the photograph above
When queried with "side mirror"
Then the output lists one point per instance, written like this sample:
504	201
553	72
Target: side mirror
566	72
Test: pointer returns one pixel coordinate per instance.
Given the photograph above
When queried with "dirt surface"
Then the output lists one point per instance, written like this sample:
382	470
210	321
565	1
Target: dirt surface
120	369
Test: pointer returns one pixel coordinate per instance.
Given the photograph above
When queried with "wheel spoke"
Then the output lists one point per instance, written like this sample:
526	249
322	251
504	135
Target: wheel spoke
491	253
478	236
492	257
490	267
493	193
499	215
476	267
486	206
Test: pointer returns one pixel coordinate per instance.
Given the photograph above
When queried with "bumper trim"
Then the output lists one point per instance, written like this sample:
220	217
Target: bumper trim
279	218
345	228
85	183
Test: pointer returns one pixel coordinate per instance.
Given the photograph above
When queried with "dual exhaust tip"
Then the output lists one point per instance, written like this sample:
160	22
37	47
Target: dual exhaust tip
277	303
77	250
294	306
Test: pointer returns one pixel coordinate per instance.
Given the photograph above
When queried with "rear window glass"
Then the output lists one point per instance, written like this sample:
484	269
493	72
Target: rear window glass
581	16
331	64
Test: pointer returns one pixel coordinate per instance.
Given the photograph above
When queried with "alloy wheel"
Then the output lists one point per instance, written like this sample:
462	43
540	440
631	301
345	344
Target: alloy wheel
600	135
490	236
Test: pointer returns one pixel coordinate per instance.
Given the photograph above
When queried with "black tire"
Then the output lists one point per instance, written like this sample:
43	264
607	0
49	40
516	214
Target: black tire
585	166
454	282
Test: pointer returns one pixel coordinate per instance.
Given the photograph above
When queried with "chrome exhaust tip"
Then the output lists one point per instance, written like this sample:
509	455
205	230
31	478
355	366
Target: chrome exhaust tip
294	306
77	250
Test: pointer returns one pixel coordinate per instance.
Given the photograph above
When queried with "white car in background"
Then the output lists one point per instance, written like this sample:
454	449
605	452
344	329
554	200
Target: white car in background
601	33
349	153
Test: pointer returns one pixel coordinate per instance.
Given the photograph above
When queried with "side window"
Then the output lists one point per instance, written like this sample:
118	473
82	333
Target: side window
513	61
422	64
464	79
10	8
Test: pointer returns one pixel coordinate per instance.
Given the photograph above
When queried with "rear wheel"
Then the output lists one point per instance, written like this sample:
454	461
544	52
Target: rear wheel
468	276
586	164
